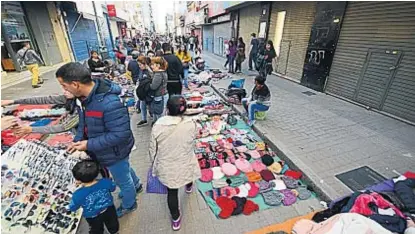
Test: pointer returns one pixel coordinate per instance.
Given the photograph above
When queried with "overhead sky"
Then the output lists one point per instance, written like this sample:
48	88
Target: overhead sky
160	9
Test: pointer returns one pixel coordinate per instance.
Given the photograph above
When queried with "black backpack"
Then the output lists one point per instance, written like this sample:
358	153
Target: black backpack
143	90
260	60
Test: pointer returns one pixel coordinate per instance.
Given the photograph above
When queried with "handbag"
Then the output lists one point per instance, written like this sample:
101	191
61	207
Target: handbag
153	183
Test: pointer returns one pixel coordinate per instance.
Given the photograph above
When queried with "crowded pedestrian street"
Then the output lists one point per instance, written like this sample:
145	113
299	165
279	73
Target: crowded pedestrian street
207	117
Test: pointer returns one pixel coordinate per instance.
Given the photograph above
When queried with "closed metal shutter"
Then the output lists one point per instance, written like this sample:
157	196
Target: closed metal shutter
106	32
38	16
296	34
208	38
375	54
83	35
249	23
222	33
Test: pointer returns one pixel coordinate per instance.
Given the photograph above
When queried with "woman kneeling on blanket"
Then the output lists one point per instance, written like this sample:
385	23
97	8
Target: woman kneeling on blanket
171	148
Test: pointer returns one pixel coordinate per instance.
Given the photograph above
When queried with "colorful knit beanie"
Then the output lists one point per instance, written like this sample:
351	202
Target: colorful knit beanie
243	165
207	175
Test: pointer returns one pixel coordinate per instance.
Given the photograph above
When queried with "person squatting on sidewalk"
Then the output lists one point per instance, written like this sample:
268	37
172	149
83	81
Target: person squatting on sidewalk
95	198
260	99
171	149
31	59
104	130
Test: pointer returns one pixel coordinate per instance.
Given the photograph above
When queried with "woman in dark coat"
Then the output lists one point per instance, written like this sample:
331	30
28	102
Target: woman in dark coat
269	55
240	56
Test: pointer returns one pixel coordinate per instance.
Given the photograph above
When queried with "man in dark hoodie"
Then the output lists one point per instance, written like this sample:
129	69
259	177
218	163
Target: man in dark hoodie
104	130
174	70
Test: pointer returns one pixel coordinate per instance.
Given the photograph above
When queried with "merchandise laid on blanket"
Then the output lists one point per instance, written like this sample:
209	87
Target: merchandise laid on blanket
387	207
240	173
37	186
30	115
127	91
202	78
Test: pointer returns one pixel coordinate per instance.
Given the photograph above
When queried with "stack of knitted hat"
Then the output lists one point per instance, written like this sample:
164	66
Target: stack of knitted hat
235	206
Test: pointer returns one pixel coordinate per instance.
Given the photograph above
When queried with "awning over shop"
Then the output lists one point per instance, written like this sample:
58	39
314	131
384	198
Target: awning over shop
240	5
118	19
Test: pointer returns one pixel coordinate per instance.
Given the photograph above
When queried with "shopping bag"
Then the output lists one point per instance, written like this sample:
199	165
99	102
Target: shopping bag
153	183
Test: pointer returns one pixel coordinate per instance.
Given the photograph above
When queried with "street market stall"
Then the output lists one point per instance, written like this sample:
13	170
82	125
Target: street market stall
37	186
240	173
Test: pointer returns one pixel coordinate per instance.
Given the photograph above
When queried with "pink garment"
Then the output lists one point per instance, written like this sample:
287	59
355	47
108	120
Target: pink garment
23	107
344	223
361	204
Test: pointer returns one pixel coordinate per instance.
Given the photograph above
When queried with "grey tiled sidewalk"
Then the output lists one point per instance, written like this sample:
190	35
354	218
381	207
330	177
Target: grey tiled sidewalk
152	216
325	136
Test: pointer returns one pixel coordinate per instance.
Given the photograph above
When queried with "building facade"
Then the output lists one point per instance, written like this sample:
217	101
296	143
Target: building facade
361	51
374	59
37	24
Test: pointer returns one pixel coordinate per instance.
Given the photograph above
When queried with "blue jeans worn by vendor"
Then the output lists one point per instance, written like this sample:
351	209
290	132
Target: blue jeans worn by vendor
104	128
260	99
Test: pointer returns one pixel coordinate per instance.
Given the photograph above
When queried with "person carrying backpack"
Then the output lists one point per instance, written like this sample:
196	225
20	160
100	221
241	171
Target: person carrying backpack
31	60
269	55
143	90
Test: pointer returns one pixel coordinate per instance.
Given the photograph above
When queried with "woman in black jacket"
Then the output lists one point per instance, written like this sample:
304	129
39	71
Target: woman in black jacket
269	55
95	63
240	55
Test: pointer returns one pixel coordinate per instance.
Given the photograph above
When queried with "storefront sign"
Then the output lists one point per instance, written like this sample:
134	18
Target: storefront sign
111	11
222	18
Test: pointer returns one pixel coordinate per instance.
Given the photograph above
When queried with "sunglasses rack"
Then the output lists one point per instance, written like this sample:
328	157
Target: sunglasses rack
37	187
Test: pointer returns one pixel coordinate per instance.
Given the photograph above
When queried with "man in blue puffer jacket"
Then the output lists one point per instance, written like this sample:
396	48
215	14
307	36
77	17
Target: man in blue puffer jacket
104	128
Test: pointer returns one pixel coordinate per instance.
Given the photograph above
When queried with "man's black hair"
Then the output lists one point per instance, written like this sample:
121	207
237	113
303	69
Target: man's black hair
150	51
85	171
74	72
253	34
166	47
260	80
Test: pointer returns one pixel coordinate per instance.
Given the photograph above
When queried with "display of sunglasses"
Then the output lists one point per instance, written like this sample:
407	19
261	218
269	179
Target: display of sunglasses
42	168
15	204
